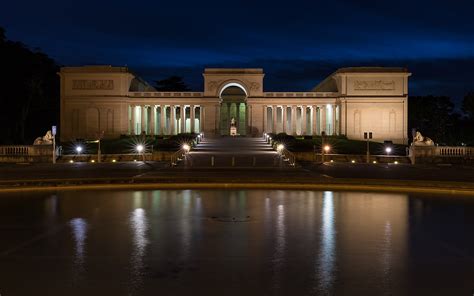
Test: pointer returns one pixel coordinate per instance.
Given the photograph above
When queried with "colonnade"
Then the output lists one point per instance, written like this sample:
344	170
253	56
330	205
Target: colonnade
302	119
164	119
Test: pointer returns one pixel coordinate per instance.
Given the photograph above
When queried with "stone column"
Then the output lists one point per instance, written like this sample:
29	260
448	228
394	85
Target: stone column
334	128
283	118
293	120
201	117
152	119
163	119
172	119
132	120
143	123
303	120
265	114
182	116
275	118
192	111
323	119
237	115
314	109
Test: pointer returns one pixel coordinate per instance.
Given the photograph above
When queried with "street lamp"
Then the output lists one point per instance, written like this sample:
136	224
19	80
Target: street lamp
79	149
280	147
186	148
327	148
141	149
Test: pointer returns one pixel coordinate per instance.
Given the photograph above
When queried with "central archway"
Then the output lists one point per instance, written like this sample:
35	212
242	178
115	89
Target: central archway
233	105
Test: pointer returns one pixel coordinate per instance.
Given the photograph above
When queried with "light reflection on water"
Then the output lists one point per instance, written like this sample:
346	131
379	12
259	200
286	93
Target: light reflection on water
79	232
293	243
327	254
139	227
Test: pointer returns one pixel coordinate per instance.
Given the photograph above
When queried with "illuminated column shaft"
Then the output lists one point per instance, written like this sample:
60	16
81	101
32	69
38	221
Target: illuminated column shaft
182	116
132	120
334	128
274	117
172	119
313	129
192	111
163	119
283	116
152	119
143	123
303	120
323	119
293	120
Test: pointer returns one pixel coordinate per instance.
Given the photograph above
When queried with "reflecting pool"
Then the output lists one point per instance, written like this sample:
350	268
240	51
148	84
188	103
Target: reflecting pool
203	242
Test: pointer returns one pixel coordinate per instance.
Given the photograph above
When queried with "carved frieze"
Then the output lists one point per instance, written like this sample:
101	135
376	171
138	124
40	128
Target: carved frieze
93	84
374	85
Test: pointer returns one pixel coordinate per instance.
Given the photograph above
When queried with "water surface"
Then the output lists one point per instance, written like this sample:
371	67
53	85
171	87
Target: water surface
198	242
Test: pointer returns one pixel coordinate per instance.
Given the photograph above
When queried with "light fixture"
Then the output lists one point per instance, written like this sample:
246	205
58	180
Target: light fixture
332	160
353	161
396	162
327	148
140	148
71	161
113	160
92	160
280	147
388	150
186	147
374	161
79	149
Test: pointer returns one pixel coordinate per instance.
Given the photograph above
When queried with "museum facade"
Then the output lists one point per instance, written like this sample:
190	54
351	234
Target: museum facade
112	101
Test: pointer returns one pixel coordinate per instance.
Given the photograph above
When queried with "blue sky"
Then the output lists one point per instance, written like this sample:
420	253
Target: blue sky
297	43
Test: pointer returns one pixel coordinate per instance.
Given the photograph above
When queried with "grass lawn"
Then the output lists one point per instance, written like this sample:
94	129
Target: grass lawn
338	144
128	144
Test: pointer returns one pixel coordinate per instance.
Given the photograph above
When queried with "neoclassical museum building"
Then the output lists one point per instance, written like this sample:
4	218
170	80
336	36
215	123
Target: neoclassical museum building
113	101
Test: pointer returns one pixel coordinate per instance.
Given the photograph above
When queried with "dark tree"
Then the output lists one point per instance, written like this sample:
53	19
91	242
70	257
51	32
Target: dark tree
30	92
173	83
434	117
468	105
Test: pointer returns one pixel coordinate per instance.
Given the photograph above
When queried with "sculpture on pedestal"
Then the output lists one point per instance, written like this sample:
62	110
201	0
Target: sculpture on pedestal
419	140
45	140
233	128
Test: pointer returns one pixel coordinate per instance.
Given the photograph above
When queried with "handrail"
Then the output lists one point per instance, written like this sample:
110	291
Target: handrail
288	156
177	156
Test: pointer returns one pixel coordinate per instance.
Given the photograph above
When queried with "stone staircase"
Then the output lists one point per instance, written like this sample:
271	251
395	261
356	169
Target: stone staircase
233	152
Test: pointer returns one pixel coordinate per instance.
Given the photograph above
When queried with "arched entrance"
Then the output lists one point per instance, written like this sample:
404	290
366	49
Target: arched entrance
233	105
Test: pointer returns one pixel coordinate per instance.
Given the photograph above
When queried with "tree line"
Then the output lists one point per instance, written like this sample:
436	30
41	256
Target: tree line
29	99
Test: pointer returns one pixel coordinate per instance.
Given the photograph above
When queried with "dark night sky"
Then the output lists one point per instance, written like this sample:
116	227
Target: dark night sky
297	43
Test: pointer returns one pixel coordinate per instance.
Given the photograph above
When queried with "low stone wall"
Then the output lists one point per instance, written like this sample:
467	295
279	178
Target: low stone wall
155	156
313	157
442	154
26	153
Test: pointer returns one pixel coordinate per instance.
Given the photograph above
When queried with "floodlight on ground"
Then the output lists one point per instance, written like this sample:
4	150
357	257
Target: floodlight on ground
353	161
186	147
327	148
374	161
332	160
71	161
280	147
140	148
396	162
113	160
79	149
92	160
388	150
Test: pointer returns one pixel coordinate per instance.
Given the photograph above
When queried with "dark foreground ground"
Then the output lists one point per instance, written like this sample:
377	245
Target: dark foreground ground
138	172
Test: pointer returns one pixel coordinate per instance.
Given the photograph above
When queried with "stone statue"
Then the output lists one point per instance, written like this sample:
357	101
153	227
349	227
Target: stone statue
419	140
232	121
45	140
233	128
